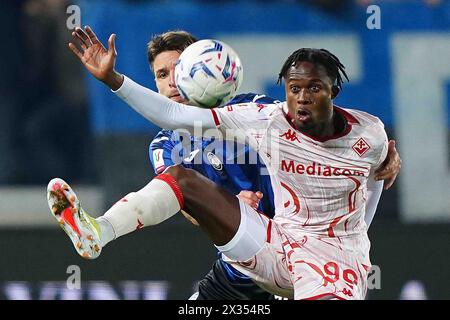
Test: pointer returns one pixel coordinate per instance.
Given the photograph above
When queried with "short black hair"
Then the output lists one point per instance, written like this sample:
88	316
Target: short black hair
335	69
177	40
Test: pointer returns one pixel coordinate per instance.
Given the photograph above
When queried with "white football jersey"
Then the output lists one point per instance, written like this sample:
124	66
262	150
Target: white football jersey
319	186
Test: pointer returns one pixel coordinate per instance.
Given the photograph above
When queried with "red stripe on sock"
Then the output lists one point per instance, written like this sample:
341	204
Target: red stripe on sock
174	185
216	118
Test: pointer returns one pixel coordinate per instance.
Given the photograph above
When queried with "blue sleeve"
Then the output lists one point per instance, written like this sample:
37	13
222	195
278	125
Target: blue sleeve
161	150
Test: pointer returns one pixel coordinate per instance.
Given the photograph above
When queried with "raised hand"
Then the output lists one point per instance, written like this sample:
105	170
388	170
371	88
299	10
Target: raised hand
98	60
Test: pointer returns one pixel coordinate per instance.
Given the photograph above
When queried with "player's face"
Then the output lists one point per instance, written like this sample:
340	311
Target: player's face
309	97
164	69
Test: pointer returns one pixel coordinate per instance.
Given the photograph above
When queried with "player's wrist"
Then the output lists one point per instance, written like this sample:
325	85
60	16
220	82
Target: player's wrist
114	80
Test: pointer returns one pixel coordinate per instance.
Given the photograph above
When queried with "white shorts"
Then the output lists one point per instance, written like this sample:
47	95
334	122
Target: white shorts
296	264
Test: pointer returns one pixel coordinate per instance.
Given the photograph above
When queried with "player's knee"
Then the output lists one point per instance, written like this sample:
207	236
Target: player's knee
182	175
177	172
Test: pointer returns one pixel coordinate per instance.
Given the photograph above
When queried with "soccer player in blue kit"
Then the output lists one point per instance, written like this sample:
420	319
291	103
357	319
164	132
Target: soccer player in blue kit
223	282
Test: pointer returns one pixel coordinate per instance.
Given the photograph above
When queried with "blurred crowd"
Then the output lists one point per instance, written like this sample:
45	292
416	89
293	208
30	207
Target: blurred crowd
43	111
334	6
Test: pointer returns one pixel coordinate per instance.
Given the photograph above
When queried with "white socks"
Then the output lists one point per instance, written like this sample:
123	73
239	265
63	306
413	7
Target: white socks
106	231
156	202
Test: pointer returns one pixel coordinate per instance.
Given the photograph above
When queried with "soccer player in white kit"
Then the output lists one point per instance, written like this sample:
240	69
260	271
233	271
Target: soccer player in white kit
317	243
321	159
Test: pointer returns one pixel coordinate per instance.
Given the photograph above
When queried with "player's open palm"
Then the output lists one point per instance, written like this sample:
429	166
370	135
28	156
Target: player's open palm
98	60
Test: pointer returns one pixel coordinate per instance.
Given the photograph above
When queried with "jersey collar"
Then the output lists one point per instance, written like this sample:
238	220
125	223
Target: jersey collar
349	121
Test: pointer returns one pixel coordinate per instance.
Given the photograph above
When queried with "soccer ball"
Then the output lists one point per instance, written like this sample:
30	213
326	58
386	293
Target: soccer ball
208	73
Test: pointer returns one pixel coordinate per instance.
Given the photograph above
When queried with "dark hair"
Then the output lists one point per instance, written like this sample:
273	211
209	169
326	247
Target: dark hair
172	40
335	69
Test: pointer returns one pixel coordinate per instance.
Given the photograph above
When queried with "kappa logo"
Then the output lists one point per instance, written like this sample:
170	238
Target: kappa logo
290	135
347	292
214	161
361	147
260	106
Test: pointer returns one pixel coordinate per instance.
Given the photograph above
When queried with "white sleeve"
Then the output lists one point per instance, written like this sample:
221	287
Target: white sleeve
248	122
374	190
162	111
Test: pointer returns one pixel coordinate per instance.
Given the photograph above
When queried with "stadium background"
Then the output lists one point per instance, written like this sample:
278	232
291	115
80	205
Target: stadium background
57	121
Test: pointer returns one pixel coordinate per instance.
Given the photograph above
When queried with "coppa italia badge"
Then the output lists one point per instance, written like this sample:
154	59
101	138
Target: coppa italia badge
361	147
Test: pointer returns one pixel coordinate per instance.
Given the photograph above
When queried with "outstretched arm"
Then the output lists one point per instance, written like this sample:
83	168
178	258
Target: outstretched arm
160	110
164	112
